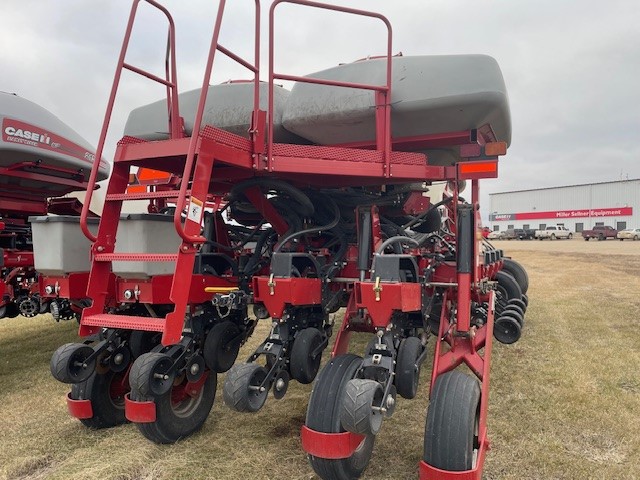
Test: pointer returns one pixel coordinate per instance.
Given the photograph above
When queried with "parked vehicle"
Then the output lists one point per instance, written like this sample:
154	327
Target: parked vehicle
521	233
496	235
553	232
601	232
629	234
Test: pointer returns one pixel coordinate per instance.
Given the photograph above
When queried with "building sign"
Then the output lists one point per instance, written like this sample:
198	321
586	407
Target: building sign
563	214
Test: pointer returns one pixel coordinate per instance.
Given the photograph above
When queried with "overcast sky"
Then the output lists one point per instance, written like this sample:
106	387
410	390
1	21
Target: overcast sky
572	67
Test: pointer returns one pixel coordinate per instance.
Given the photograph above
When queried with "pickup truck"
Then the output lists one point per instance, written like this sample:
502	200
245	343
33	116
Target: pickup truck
553	232
601	232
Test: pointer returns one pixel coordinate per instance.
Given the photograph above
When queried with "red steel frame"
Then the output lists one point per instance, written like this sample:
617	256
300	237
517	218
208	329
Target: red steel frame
212	154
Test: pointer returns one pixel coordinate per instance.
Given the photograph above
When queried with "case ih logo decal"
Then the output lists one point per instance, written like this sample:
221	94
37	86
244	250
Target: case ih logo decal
594	212
15	131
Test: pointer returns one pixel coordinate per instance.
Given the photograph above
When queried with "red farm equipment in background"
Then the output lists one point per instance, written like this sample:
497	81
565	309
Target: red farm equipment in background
41	161
286	212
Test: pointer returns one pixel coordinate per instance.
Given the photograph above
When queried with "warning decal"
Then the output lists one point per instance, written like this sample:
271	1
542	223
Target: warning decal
195	210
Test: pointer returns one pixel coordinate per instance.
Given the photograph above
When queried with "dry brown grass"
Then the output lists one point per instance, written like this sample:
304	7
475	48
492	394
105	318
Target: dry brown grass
565	400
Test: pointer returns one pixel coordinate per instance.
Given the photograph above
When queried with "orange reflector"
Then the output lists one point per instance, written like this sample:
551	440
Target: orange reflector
478	167
149	176
136	189
495	148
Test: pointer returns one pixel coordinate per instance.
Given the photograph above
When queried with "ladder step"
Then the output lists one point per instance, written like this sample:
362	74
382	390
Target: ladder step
135	257
128	322
119	197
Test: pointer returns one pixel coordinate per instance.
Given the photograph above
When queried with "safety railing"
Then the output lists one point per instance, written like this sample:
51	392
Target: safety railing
170	81
382	92
197	124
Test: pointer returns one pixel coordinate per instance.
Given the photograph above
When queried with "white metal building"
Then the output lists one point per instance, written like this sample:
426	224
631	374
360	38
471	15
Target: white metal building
577	207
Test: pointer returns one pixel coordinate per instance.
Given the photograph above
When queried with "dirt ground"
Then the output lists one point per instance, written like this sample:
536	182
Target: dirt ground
565	399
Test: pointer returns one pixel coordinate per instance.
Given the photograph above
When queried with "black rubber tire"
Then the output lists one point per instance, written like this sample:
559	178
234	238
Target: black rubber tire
570	236
407	372
356	414
511	312
143	342
518	302
12	310
451	426
108	410
177	421
518	272
586	239
63	361
507	289
236	391
511	305
507	330
302	366
141	376
525	299
220	350
600	238
323	415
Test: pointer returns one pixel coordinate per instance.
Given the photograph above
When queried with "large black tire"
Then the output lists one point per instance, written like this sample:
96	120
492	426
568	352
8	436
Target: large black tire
65	363
106	393
323	415
178	418
221	346
237	390
518	272
451	426
142	342
356	414
407	368
303	366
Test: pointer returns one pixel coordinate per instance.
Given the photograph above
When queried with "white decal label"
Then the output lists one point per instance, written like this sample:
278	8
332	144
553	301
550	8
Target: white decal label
195	210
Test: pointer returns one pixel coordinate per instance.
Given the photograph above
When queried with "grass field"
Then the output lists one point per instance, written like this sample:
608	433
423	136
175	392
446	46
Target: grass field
565	400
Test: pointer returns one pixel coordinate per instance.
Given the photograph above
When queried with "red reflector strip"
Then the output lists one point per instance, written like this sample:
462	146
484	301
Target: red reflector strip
479	167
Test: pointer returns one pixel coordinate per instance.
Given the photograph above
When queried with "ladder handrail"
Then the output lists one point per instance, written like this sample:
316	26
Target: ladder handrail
171	82
382	92
197	123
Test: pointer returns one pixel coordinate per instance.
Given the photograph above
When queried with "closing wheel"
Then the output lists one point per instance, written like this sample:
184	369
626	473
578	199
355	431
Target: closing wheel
242	391
69	363
359	413
507	330
221	346
506	289
304	365
407	368
451	429
151	374
181	411
525	299
519	303
106	393
513	312
518	272
323	415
